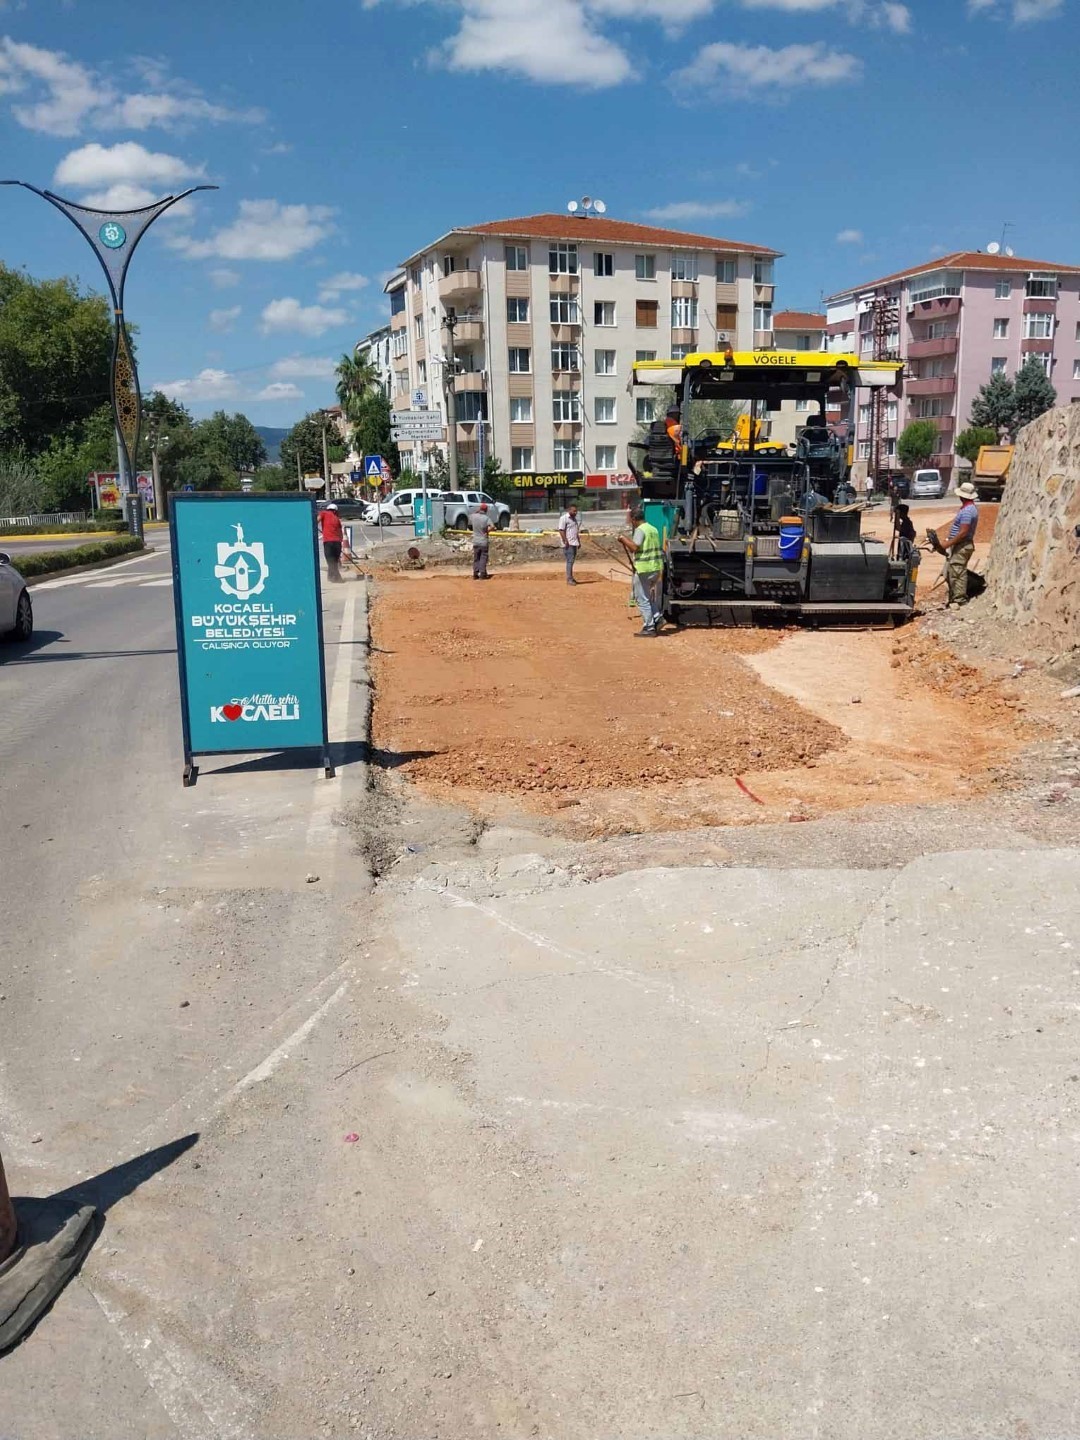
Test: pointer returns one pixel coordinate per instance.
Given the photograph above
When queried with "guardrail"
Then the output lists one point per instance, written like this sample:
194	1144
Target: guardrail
28	522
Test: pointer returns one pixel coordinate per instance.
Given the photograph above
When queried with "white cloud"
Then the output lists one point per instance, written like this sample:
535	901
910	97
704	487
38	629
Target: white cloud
263	230
894	17
127	162
63	95
880	14
344	281
738	69
279	390
222	278
850	237
121	197
207	385
671	12
552	41
288	314
303	367
700	210
223	321
1024	12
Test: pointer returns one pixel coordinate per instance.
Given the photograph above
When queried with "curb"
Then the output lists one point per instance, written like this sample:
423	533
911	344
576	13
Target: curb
83	569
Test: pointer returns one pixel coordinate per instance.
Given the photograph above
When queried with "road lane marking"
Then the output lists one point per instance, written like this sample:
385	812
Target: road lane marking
91	576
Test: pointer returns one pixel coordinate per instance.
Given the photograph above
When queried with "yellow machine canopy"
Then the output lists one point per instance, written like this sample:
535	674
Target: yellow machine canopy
772	375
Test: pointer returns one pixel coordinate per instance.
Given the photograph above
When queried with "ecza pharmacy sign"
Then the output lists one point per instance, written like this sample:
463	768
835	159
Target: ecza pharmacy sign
249	625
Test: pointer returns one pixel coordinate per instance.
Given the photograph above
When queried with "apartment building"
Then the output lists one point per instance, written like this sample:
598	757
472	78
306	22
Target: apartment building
955	321
551	311
795	330
376	350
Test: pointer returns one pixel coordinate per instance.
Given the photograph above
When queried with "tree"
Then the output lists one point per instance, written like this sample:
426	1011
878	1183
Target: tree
20	487
356	378
304	440
969	442
994	407
73	454
235	437
1033	392
55	354
917	442
495	481
371	429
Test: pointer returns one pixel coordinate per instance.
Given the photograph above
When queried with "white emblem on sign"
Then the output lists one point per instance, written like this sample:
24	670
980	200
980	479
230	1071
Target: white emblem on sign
241	568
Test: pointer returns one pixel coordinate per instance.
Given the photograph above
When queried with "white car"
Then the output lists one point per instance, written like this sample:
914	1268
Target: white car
461	504
16	611
927	485
396	507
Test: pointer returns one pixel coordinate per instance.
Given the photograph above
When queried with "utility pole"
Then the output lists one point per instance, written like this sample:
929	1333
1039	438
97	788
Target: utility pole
449	381
325	461
299	472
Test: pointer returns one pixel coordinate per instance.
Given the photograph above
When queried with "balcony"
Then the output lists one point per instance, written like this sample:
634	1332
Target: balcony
942	309
682	336
459	282
1036	347
942	460
473	382
930	349
564	284
763	294
764	340
399	321
469	332
567	429
1039	306
935	385
686	288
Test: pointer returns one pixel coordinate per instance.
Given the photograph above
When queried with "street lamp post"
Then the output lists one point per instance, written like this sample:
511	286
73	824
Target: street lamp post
113	236
450	324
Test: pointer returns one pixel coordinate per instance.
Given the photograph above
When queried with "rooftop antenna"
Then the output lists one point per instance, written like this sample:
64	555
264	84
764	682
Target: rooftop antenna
1008	225
587	206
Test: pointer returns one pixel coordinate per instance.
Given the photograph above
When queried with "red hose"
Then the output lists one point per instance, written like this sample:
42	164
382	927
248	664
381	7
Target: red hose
747	791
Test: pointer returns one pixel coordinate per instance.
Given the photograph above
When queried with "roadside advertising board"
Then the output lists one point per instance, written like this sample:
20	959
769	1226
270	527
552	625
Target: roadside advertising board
248	625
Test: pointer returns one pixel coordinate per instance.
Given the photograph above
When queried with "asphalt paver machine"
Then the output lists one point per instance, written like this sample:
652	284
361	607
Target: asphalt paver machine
754	532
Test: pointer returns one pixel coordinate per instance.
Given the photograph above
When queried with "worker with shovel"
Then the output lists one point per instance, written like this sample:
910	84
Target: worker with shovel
644	549
960	544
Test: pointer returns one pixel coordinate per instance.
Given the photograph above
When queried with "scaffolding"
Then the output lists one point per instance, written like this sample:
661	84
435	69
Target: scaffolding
886	342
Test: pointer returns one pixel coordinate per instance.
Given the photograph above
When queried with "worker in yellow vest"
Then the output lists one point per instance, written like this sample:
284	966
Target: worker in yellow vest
643	547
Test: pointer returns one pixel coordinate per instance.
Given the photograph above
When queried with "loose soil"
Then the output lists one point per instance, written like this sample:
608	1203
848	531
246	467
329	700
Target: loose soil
527	694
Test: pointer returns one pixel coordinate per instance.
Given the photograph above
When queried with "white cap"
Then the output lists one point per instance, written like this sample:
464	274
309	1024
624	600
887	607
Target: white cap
331	506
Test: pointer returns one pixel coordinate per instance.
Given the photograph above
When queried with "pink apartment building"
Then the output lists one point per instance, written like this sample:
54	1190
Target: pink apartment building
955	321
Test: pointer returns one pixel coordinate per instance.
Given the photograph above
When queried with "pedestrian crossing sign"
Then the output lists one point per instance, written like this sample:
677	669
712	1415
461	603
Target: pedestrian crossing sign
373	467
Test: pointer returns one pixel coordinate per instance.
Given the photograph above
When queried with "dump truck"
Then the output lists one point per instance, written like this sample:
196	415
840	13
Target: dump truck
992	470
754	537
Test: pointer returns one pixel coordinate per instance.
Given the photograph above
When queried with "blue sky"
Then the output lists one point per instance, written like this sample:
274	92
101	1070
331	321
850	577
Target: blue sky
857	136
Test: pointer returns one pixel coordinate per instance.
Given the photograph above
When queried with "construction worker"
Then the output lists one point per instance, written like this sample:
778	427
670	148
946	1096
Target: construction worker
644	549
332	534
960	544
673	426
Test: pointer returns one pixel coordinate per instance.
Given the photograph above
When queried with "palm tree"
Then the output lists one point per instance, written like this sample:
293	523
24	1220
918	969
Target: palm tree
356	378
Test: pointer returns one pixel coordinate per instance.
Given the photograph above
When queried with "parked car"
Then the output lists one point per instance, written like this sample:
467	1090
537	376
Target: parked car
460	504
348	509
927	485
16	611
396	507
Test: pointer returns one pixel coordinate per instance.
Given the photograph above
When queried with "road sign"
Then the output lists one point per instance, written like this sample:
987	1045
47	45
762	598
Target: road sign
187	489
421	417
406	435
419	399
373	467
248	625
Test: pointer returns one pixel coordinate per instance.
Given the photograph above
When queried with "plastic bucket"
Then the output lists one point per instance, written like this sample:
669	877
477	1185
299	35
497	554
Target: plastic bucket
792	536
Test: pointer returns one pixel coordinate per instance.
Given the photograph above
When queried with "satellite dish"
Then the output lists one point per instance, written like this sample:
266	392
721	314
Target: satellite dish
586	202
573	207
1009	251
599	207
993	248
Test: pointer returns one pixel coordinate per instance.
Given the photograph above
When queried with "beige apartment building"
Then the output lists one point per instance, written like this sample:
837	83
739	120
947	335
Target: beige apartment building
551	311
795	330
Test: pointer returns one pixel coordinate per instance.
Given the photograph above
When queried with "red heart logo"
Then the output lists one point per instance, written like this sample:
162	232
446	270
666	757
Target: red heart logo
232	712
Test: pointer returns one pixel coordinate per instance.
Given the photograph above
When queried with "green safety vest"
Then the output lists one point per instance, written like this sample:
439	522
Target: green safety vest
650	558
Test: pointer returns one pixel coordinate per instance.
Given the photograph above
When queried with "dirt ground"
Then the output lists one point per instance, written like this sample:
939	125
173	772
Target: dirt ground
527	695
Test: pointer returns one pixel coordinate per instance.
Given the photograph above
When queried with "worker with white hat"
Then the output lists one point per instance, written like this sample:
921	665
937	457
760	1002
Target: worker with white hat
332	533
960	543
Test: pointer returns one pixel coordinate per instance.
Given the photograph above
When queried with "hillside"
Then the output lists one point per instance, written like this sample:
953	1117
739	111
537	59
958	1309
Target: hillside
272	437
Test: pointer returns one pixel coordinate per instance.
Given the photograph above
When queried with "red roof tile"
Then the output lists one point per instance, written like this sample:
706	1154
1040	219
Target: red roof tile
566	227
798	320
964	260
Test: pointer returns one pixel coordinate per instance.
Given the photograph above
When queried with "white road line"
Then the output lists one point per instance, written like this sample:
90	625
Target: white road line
124	580
90	577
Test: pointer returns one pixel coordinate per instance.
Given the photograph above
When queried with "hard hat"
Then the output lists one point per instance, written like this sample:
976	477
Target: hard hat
331	506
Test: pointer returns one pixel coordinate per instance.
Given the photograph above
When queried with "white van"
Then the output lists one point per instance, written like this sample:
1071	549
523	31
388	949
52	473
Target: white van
927	485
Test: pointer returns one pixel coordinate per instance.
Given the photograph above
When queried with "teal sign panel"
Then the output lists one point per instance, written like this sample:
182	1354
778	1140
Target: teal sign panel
249	623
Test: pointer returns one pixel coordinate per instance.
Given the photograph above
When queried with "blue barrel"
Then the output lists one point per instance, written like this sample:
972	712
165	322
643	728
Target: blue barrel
792	536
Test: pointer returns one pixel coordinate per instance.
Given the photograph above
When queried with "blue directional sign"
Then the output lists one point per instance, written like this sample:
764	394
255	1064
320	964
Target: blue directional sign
373	467
248	625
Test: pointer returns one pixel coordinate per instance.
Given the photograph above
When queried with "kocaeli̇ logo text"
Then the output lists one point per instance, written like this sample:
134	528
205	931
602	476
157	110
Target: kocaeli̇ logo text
256	707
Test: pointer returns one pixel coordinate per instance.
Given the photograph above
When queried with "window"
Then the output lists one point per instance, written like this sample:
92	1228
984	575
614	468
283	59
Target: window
645	410
604	313
399	344
804	342
418	325
1078	334
801	405
567	455
684	312
727	319
564	310
1046	361
1039	325
401	382
604	412
1001	329
1003	290
762	317
517	311
565	406
864	414
521	458
644	355
520	361
421	371
565	357
1076	369
604	362
471	406
1041	287
647	314
997	365
517	257
725	272
449	264
562	259
603	265
521	411
605	457
645	267
680	352
416	275
763	272
397	302
864	449
940	330
927	407
684	266
940	284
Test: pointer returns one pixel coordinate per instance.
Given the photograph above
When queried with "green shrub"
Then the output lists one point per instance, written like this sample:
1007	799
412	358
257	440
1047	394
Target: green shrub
83	527
49	561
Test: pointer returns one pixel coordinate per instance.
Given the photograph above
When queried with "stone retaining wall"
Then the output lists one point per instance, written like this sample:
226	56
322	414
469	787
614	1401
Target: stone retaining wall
1033	575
